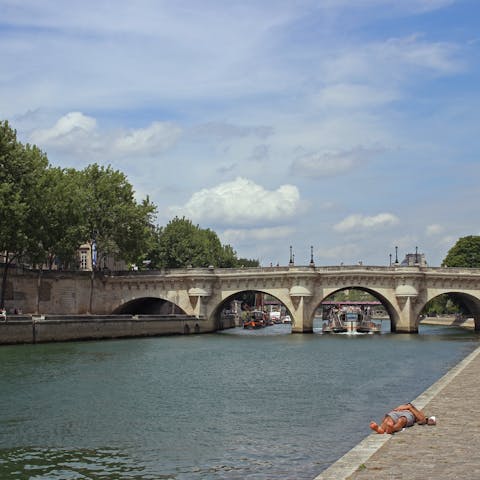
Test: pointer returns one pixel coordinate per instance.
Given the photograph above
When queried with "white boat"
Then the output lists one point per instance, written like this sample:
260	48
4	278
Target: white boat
350	320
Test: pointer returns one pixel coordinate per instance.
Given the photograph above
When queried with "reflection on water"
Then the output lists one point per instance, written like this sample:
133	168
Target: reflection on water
239	404
52	464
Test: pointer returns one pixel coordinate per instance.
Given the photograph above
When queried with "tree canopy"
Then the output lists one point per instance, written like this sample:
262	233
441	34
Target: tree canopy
465	253
112	218
183	244
21	166
47	212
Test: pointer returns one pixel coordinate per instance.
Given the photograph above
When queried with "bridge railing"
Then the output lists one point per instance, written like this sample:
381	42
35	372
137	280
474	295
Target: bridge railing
252	270
299	268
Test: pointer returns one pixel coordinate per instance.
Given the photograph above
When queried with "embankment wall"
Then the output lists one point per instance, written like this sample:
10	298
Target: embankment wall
450	321
51	328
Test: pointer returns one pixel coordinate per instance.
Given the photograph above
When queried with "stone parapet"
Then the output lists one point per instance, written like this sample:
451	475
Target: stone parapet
57	328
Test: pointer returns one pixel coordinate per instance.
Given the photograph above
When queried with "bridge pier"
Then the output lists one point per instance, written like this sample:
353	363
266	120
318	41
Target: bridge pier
407	320
301	322
196	296
407	315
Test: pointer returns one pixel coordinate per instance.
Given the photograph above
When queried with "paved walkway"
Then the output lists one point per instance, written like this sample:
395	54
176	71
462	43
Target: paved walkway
449	450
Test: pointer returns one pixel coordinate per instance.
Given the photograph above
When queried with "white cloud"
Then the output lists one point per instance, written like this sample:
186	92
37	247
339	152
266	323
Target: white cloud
243	89
241	202
434	229
437	57
331	163
361	222
157	137
345	95
393	62
77	134
223	130
72	127
325	165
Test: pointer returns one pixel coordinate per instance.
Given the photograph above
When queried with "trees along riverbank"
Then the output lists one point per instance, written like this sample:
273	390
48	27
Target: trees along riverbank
47	212
181	244
466	254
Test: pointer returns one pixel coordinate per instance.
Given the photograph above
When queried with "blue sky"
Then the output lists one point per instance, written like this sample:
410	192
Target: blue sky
348	125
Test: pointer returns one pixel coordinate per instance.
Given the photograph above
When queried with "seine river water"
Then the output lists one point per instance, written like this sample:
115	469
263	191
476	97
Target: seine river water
233	405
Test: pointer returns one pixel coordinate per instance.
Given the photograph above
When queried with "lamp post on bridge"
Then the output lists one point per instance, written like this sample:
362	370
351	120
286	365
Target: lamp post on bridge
312	263
396	255
291	261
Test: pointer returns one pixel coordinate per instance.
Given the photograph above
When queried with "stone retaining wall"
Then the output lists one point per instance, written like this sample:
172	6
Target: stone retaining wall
450	321
57	328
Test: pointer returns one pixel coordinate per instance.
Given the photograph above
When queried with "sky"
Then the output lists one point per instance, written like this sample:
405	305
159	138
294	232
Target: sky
349	126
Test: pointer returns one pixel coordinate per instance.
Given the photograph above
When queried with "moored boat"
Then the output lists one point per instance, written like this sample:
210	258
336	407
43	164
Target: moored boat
254	320
334	324
350	320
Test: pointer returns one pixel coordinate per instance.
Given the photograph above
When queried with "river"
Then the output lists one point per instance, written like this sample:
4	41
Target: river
232	405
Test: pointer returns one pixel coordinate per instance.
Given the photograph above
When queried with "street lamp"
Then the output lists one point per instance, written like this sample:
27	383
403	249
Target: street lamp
312	263
396	255
290	263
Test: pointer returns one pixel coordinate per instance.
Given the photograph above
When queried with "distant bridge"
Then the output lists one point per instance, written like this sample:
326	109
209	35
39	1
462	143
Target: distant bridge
205	292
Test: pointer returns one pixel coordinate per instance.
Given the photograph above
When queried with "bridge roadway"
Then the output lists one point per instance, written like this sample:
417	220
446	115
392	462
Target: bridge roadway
205	292
448	451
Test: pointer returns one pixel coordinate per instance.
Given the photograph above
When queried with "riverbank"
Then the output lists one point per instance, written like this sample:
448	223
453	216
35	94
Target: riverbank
446	451
16	329
450	321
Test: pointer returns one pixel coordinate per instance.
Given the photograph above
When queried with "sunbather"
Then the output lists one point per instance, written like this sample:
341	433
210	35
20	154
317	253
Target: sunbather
401	417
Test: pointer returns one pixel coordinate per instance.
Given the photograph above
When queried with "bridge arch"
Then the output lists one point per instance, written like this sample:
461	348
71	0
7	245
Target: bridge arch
148	306
386	302
225	302
468	300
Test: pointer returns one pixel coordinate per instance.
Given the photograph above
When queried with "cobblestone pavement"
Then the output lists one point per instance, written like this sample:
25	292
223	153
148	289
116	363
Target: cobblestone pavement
449	450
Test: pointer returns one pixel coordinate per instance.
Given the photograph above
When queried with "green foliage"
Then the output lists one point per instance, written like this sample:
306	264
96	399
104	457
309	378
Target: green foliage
247	262
247	297
465	253
442	305
21	166
112	217
183	244
61	231
20	199
46	213
352	295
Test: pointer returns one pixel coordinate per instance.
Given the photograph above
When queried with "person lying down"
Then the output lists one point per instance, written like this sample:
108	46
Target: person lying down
402	417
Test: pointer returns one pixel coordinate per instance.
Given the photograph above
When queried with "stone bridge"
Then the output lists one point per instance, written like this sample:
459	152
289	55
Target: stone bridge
403	291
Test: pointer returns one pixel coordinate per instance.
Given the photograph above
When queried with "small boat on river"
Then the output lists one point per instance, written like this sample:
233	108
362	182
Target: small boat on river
350	320
255	319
